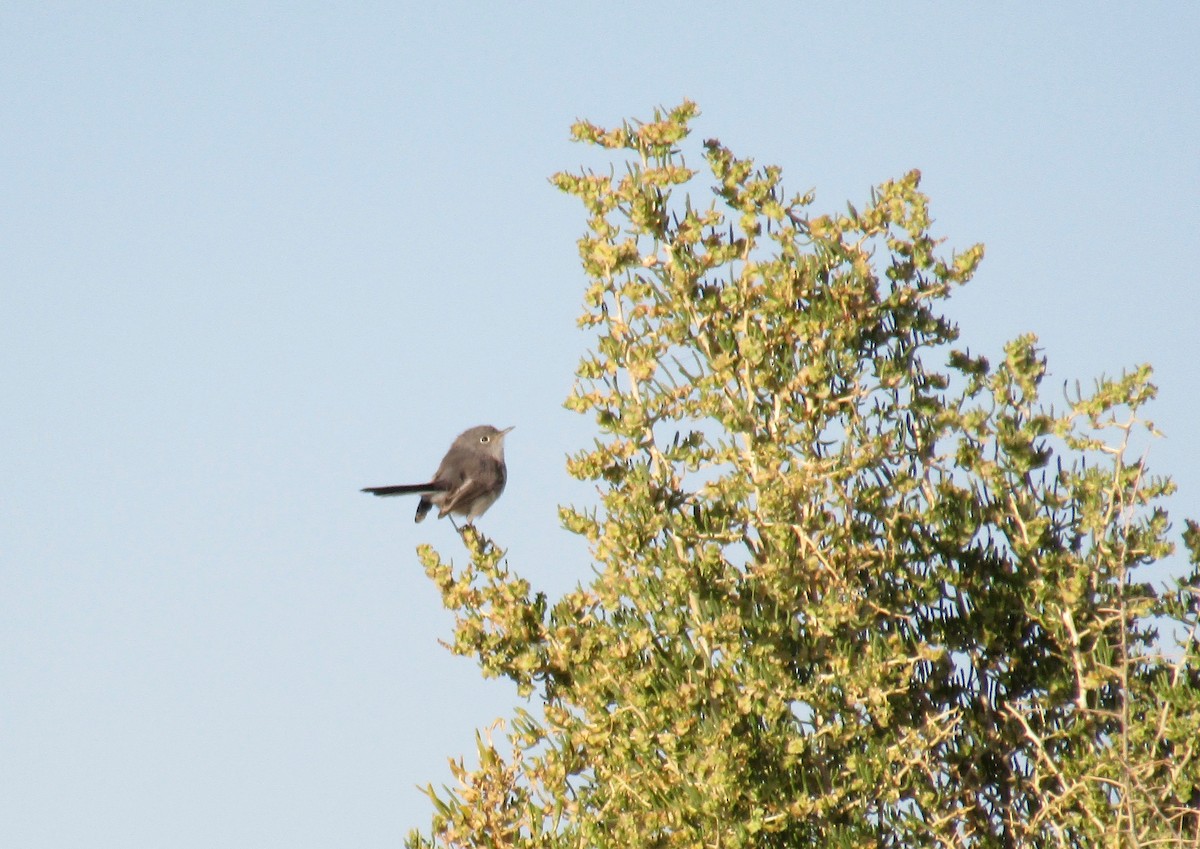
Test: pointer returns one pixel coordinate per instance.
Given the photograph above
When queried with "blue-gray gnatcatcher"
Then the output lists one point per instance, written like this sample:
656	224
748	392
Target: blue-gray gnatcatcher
469	480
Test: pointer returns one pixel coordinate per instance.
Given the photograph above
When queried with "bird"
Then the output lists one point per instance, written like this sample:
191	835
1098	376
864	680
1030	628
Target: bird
469	480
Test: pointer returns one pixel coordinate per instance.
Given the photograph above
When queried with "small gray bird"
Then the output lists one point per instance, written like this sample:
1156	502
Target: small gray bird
469	480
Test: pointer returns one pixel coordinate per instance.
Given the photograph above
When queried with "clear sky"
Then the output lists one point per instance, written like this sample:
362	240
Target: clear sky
256	256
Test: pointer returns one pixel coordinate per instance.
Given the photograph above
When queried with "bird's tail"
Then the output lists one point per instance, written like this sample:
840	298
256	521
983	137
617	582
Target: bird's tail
403	489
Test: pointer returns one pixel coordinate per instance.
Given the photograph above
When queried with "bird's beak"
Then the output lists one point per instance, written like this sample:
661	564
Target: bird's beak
506	430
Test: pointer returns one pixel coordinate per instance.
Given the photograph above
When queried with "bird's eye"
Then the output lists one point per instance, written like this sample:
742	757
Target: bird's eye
485	439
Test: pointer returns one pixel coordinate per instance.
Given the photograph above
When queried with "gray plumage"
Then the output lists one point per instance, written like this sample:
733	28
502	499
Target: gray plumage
469	480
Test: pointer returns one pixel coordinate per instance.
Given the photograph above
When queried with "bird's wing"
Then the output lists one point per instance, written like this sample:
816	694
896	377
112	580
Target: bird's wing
461	499
477	477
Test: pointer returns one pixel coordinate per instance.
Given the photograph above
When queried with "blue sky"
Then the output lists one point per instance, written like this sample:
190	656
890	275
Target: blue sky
259	256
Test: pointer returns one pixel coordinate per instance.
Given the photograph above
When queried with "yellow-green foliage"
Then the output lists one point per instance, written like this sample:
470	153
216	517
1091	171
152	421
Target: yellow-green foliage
854	586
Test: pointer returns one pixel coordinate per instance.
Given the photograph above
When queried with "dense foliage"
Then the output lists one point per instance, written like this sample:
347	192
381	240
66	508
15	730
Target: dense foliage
854	586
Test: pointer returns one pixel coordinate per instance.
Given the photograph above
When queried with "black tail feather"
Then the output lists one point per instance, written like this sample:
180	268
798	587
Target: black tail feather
402	489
